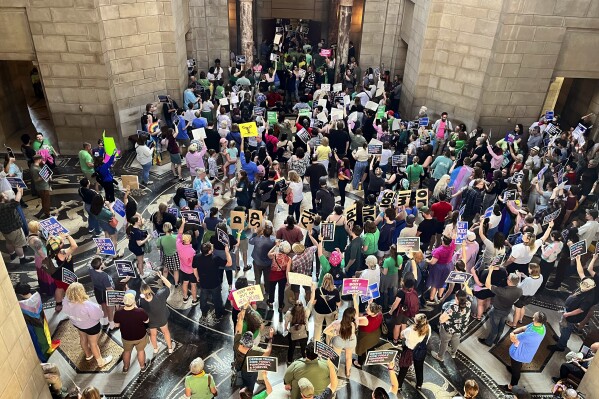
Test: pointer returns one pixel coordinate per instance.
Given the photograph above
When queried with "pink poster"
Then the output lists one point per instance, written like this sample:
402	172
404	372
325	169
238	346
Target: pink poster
355	286
325	52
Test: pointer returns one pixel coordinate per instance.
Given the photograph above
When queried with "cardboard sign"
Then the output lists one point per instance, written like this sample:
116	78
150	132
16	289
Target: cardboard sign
338	87
16	182
403	197
509	195
306	219
199	134
368	213
68	277
248	129
371	105
380	357
261	363
580	248
304	112
272	117
322	117
458	277
114	298
326	52
125	268
551	216
52	227
130	181
327	353
222	236
355	286
422	196
190	193
300	279
277	39
375	149
387	199
246	295
462	229
327	230
255	219
498	259
518	177
423	121
223	101
373	293
240	59
351	213
399	160
489	212
407	244
120	213
105	246
325	87
237	220
46	173
191	217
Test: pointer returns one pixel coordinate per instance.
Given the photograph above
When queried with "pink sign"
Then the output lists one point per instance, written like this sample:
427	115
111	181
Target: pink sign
325	52
355	286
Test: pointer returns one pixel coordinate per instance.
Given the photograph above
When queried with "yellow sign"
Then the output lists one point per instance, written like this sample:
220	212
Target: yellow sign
248	129
109	144
247	295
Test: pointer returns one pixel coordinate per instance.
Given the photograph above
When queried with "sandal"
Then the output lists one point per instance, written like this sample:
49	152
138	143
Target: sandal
509	325
246	268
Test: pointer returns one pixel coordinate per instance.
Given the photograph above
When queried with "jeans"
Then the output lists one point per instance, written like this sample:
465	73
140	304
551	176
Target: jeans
92	222
281	294
359	170
217	300
248	380
260	271
291	349
497	319
145	172
565	330
445	339
318	319
516	368
438	146
294	210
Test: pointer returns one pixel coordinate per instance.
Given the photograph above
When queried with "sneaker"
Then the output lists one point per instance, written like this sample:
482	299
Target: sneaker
149	182
436	356
144	368
195	302
105	361
13	256
111	326
484	342
156	350
185	299
431	302
181	179
395	343
25	259
172	348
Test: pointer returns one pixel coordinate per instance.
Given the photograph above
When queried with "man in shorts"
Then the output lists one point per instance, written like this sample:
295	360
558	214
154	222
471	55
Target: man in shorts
12	227
102	282
132	321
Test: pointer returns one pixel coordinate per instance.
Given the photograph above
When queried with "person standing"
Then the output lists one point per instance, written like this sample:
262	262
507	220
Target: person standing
199	384
144	156
263	241
189	275
87	195
310	368
505	297
208	269
12	227
102	282
530	286
314	172
452	324
525	343
138	237
132	322
416	337
86	162
41	186
266	192
280	266
442	128
154	305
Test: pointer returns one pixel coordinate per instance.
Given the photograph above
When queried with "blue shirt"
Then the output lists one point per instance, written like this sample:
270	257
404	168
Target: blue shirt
104	170
182	131
250	168
199	122
530	340
189	97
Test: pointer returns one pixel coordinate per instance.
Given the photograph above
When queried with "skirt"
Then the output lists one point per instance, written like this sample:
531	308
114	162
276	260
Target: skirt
366	341
437	275
406	359
171	262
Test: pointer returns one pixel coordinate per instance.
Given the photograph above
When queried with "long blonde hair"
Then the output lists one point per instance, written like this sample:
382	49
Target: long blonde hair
441	186
421	325
294	176
76	293
327	282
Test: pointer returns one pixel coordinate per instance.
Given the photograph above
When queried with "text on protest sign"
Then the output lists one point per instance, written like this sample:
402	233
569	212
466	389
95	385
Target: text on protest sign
131	181
422	196
327	230
373	293
114	298
368	213
380	357
248	129
403	197
462	232
247	295
255	218
355	286
261	363
124	268
222	236
191	217
407	244
16	182
68	277
578	249
327	353
306	219
105	246
46	173
51	227
458	277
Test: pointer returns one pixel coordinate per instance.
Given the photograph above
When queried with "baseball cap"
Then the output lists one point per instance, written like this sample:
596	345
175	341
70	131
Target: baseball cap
471	236
306	387
425	209
410	220
129	299
535	148
587	284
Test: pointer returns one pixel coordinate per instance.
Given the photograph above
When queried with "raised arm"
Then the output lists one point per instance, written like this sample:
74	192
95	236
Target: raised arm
548	231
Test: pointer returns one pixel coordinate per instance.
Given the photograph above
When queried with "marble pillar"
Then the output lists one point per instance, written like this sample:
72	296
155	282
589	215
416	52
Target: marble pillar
345	7
333	23
246	22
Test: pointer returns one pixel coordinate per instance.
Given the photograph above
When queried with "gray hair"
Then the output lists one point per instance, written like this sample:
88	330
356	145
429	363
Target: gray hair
200	170
196	366
371	261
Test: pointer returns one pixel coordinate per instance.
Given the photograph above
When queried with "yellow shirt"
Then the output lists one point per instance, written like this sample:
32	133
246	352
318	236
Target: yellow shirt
323	153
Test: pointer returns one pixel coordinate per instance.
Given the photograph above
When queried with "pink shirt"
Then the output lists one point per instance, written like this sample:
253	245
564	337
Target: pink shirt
186	254
83	315
441	130
195	160
443	254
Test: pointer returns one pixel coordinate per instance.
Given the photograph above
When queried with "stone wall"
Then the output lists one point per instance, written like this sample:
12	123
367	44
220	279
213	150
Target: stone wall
380	28
20	369
209	32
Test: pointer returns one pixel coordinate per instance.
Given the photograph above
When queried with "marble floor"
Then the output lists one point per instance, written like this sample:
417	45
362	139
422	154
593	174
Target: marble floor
212	339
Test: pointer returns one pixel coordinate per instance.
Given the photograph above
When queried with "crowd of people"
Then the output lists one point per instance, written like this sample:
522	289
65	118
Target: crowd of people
527	197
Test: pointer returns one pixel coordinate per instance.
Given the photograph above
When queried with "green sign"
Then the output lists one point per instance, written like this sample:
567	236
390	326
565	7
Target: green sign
304	112
272	117
380	112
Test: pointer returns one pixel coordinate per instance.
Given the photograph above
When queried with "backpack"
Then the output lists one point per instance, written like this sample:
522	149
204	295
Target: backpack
419	351
411	303
337	273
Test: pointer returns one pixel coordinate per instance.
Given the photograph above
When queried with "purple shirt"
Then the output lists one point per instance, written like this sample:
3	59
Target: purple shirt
444	253
83	315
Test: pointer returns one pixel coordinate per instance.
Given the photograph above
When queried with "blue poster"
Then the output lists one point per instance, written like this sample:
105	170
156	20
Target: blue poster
373	293
549	115
173	211
105	246
462	210
462	228
119	207
124	268
489	211
46	173
51	227
423	121
16	182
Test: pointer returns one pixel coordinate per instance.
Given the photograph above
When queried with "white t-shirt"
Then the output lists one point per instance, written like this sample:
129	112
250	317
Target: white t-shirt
144	154
385	155
490	251
373	275
522	254
297	189
412	337
530	285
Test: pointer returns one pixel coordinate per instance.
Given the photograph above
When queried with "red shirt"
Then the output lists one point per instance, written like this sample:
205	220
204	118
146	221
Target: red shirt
291	236
571	177
374	322
440	210
273	98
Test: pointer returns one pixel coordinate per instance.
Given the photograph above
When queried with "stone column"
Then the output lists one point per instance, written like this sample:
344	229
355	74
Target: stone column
246	22
333	22
345	7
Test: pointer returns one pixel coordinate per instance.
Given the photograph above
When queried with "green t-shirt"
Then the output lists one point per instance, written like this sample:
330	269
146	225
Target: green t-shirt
414	172
234	232
168	243
325	267
371	240
219	92
261	395
392	266
85	158
199	386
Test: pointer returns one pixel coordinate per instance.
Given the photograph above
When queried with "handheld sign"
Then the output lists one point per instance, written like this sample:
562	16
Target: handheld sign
403	197
509	195
261	363
240	59
327	353
325	87
281	184
489	211
46	173
422	196
498	259
462	230
306	219
120	213
351	213
549	115
191	217
131	181
326	52
114	298
551	216
271	116
327	230
458	277
223	101
237	220
199	133
248	129
371	105
423	121
322	117
355	286
380	112
542	172
255	219
300	279
565	233
337	87
399	160
303	135
336	114
10	152
105	246
124	268
373	293
222	236
375	149
380	357
51	227
387	199
407	244
518	177
304	112
190	193
68	277
461	211
16	182
579	248
173	211
246	295
368	213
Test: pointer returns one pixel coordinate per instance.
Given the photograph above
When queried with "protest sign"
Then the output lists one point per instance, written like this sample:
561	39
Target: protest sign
403	197
387	199
326	87
579	248
305	112
565	233
542	172
336	114
109	144
396	125
509	195
114	298
222	237
274	57
259	111
399	160
190	193
124	268
549	115
371	105
458	277
68	277
173	211
346	100
380	112
199	134
462	232
16	182
120	213
322	117
303	135
223	101
579	131
338	87
407	244
551	216
10	152
191	217
518	177
351	213
355	286
327	231
51	227
489	212
422	196
553	130
368	213
380	357
375	149
247	295
326	52
237	220
261	363
240	59
373	293
306	219
131	181
105	246
46	173
255	219
278	38
380	88
272	117
300	279
423	121
327	353
248	129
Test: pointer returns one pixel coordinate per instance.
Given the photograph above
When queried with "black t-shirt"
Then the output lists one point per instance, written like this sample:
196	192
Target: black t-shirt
208	270
144	119
212	140
480	152
130	208
166	217
132	323
584	301
265	187
219	245
376	184
427	229
338	140
315	171
324	297
87	194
